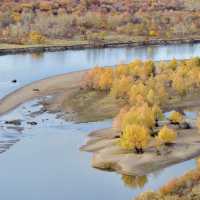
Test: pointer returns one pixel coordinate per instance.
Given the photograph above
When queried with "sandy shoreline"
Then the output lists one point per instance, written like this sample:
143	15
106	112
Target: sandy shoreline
40	88
53	48
107	155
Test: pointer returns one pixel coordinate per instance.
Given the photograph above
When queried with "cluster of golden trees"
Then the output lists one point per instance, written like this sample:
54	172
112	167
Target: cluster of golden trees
146	87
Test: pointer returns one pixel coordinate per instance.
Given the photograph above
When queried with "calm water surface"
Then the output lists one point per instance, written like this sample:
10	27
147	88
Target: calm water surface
43	162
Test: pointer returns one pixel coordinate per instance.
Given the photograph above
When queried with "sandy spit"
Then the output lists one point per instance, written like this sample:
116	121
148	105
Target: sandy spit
40	88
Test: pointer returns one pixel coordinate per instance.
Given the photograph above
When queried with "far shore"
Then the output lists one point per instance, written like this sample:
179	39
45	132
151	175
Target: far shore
79	45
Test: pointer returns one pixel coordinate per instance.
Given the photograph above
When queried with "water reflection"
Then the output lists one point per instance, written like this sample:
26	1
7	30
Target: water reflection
47	162
38	55
27	68
134	181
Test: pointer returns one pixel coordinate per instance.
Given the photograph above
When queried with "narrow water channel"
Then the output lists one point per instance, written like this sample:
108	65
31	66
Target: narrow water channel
43	162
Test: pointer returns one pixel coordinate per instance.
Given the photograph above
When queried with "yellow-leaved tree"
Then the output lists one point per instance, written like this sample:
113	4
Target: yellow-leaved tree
176	117
121	87
140	115
121	70
166	135
135	137
91	78
158	114
36	38
106	79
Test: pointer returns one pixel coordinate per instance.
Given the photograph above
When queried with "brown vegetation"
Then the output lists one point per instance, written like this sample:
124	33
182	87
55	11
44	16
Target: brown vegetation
98	20
186	187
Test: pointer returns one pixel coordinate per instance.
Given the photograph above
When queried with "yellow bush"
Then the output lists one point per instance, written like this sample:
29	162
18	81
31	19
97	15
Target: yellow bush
166	135
36	38
45	6
176	117
141	69
91	78
106	79
153	33
121	87
121	70
135	136
158	114
141	115
172	64
16	17
136	90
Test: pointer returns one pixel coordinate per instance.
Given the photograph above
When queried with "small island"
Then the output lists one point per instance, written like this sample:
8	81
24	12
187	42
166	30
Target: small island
152	129
151	104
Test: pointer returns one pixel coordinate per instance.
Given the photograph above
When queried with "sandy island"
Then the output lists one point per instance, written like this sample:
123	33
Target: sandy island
66	93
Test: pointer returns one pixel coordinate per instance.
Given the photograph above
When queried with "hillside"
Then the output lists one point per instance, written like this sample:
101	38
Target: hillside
96	21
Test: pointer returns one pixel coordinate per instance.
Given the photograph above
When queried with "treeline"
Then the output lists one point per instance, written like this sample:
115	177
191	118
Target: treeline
28	21
146	90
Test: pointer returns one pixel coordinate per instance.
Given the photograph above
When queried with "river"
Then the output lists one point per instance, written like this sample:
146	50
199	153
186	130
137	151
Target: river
43	162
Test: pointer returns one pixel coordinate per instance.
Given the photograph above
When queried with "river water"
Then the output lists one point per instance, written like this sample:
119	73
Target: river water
43	162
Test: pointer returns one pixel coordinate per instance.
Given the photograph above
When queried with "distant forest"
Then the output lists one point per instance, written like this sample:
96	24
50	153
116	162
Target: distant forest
34	21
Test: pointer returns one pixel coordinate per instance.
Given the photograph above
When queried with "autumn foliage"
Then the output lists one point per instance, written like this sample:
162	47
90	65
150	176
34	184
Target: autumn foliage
100	20
166	135
135	137
176	117
145	88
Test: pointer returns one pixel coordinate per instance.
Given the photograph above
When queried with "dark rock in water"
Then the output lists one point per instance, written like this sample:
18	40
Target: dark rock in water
36	90
184	125
16	122
14	81
32	123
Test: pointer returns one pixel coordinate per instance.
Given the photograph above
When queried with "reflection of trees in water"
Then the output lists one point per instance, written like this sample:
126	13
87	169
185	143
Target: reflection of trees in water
37	55
134	181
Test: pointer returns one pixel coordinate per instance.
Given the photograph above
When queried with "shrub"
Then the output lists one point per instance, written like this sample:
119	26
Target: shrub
135	137
137	91
121	87
55	26
36	38
166	135
158	114
172	64
176	117
91	78
16	17
141	115
106	79
121	70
